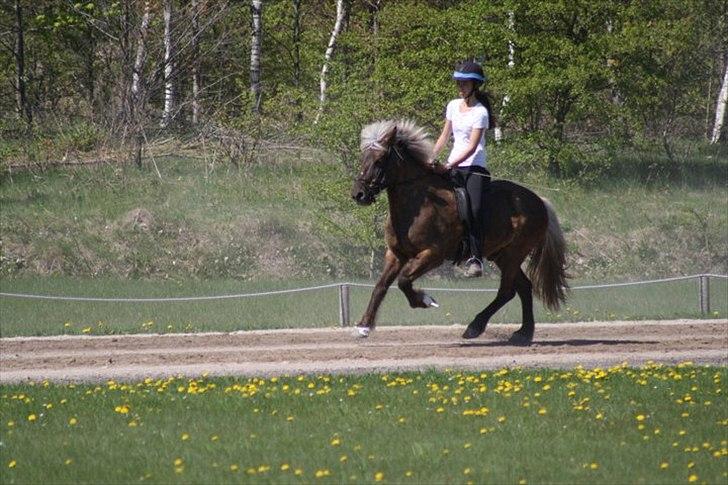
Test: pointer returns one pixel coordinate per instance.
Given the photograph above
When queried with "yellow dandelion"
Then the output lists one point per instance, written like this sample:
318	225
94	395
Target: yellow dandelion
11	424
467	471
68	461
185	437
664	465
234	468
32	417
691	464
298	472
408	473
594	466
285	467
440	410
693	478
640	417
343	458
502	419
73	421
12	464
542	411
335	442
378	477
178	461
214	437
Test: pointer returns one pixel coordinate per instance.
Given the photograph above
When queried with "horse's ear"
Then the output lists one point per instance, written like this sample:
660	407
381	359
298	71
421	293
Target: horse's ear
387	139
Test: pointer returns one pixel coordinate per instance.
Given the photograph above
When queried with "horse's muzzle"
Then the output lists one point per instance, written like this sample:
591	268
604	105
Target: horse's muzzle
361	195
362	198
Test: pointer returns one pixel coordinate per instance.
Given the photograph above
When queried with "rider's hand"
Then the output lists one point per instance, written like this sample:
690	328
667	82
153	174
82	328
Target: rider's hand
438	168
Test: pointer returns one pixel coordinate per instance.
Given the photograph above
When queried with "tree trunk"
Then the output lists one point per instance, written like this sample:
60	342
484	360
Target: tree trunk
90	70
373	6
168	114
140	55
340	15
195	62
498	133
297	55
21	98
720	106
256	8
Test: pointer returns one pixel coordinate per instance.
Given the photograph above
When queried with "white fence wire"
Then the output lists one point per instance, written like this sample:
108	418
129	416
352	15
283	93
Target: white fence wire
345	300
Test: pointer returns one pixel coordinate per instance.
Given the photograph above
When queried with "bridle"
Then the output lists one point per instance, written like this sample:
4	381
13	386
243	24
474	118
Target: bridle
379	180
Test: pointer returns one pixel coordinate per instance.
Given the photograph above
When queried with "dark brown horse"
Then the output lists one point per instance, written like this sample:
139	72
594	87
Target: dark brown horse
424	229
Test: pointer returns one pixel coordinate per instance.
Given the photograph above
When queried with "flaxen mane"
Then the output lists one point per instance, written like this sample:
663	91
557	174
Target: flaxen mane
409	136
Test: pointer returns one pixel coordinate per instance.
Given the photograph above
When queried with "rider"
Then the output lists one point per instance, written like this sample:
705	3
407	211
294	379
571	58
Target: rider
466	119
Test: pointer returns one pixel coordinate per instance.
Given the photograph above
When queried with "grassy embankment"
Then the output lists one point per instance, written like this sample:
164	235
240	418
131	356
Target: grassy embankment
115	231
621	425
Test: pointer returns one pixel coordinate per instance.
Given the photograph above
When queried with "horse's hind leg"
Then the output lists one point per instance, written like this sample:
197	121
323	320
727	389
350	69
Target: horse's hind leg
392	267
524	335
506	292
413	269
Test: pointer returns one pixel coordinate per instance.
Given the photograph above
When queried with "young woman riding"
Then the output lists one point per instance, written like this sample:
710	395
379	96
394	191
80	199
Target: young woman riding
466	120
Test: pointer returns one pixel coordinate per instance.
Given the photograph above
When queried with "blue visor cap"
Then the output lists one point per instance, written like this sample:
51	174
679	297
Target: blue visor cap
464	76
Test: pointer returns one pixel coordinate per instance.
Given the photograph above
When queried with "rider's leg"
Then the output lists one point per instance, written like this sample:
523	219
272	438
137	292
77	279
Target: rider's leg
475	185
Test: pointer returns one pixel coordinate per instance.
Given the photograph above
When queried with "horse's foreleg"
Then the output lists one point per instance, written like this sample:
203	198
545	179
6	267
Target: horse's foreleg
392	267
506	292
524	335
413	269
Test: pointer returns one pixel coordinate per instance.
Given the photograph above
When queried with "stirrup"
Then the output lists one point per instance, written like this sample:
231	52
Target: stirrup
473	267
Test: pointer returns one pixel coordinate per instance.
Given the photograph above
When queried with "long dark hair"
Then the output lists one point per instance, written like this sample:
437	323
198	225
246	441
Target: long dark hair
483	98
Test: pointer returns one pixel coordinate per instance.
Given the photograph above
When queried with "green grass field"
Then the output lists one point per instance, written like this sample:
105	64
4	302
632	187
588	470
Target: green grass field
620	425
292	217
318	308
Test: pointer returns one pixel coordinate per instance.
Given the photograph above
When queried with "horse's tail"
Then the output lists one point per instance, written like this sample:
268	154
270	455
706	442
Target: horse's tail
547	266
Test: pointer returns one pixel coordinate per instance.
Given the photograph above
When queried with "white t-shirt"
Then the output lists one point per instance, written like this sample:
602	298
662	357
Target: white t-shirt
462	125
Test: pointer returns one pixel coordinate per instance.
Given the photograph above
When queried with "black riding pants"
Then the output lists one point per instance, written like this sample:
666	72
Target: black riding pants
475	180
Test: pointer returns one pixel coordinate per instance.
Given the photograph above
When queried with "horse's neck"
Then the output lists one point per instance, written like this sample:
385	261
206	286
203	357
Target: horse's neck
411	193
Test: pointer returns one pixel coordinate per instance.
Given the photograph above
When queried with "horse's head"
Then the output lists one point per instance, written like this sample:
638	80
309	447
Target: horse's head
375	167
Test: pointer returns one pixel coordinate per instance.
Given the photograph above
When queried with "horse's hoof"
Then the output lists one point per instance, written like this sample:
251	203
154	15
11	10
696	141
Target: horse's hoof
362	332
473	331
520	340
429	301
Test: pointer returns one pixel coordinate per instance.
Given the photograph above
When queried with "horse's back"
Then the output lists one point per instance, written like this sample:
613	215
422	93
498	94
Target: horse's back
514	210
521	199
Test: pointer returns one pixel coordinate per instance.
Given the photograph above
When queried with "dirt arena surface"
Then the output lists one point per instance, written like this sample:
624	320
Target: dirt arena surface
335	350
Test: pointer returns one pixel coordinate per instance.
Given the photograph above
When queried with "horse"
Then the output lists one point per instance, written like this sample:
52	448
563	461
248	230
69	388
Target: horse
423	229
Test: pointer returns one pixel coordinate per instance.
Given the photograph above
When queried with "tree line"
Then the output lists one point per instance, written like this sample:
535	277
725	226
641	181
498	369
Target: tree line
562	73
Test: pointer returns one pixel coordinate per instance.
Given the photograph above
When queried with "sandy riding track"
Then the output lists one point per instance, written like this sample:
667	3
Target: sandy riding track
131	357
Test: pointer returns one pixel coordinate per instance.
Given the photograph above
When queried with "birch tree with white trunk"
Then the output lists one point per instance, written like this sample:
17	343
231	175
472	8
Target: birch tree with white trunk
498	132
720	105
140	54
195	61
168	113
340	15
256	9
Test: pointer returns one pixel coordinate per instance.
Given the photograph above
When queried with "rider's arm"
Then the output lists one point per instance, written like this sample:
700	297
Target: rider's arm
475	136
442	140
